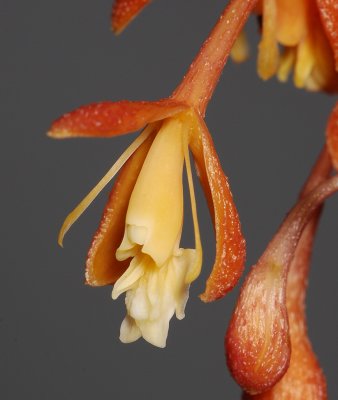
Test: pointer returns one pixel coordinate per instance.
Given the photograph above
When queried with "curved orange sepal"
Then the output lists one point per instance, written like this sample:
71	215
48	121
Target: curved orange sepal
230	244
329	14
332	136
109	118
124	11
102	267
304	378
257	342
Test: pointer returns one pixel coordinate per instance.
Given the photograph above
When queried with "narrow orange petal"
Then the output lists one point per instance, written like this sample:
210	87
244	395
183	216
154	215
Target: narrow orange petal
332	136
230	244
124	11
329	14
108	118
102	267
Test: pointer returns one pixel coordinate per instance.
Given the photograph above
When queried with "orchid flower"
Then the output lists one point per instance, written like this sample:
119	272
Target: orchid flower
137	245
305	30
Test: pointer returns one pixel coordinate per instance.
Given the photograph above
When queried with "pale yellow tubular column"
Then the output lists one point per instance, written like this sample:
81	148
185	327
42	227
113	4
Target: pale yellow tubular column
155	213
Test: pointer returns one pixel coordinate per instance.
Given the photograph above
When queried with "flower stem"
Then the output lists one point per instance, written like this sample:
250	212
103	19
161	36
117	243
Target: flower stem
202	77
281	248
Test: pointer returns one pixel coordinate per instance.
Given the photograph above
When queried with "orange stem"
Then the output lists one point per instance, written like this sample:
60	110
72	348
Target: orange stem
202	77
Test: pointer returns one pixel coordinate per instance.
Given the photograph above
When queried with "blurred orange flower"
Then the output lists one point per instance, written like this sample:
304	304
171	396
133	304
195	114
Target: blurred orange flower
309	47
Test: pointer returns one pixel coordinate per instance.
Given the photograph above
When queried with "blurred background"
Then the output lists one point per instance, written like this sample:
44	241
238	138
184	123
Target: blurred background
59	338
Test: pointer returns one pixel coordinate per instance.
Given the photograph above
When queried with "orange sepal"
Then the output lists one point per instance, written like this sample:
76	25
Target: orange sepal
332	136
102	267
230	244
124	11
304	378
329	14
109	118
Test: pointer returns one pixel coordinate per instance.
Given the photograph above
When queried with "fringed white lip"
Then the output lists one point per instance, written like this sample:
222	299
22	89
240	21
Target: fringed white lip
155	212
153	296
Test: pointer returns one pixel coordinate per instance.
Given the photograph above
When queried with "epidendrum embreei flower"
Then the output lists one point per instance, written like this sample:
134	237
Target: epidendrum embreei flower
137	245
304	29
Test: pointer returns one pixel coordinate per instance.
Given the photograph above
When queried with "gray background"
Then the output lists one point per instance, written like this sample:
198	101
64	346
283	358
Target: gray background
59	338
